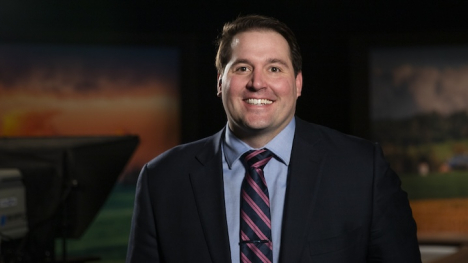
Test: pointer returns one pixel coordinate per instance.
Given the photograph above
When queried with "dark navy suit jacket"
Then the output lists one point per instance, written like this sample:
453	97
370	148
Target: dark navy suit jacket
343	204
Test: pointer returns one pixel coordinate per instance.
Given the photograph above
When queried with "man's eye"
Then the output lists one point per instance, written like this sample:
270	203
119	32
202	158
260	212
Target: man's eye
242	69
275	69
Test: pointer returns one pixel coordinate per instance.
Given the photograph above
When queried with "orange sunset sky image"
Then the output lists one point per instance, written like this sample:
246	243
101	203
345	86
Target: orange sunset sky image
80	91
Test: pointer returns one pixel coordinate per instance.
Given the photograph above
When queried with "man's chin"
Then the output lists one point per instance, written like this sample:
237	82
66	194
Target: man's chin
257	126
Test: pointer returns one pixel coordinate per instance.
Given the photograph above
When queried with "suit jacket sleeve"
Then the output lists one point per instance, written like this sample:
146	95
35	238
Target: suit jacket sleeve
143	245
393	229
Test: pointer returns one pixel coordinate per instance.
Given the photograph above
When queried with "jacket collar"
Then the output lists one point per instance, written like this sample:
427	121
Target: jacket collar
304	177
208	189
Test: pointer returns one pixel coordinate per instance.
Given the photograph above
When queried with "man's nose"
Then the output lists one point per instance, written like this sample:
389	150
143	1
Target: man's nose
257	80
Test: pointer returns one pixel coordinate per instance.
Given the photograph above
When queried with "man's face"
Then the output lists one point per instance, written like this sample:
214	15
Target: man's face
258	86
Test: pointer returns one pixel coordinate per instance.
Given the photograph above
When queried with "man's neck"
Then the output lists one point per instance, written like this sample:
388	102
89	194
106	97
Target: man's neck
257	142
258	138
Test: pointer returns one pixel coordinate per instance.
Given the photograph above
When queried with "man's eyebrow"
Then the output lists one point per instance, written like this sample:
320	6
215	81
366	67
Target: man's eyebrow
280	61
269	61
240	61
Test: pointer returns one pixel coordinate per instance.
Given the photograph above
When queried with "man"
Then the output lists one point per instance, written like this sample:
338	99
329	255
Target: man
311	194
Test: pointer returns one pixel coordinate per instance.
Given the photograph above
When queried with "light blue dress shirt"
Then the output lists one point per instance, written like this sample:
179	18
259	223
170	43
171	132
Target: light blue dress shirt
276	173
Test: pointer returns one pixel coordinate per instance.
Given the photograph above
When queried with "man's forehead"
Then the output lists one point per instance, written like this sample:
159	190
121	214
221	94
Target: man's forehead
242	38
236	40
254	30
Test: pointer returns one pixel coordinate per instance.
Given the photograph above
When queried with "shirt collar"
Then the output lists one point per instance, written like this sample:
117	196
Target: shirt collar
281	145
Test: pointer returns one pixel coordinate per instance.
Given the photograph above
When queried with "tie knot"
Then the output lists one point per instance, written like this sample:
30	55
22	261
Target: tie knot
256	158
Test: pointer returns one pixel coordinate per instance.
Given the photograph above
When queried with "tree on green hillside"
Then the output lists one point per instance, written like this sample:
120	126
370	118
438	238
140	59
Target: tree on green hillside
422	128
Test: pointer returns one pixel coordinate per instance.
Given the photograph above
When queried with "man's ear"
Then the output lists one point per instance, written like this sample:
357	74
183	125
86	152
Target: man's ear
299	84
219	85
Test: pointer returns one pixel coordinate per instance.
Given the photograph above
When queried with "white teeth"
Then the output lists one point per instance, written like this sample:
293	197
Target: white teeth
259	101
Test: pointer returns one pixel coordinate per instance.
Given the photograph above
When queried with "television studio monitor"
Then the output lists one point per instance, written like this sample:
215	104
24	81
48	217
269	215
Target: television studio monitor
66	181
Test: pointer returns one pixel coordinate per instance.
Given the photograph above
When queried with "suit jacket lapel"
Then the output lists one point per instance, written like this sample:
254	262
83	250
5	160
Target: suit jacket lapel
301	194
208	189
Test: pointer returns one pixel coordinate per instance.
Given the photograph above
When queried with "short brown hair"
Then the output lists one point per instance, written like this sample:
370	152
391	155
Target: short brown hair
253	22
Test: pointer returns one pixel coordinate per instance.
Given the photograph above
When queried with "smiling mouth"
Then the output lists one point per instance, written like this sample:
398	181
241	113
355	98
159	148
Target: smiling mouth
258	101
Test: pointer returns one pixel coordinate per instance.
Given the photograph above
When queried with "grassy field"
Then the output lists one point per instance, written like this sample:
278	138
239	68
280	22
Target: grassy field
107	237
436	185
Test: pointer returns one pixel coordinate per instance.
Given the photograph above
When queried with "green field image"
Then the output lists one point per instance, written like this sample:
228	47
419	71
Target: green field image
436	185
440	181
107	236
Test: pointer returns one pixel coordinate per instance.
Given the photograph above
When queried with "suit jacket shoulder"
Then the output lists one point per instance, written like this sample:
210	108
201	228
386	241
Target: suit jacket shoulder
185	157
334	141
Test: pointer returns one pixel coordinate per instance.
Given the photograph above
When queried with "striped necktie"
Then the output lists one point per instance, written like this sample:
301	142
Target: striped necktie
255	227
